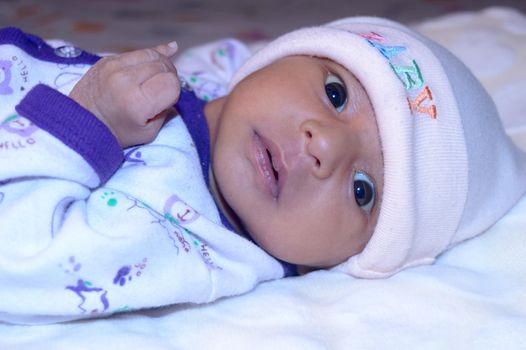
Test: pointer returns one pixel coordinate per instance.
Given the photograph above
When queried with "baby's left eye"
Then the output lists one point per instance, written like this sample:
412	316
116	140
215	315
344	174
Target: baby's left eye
364	191
336	92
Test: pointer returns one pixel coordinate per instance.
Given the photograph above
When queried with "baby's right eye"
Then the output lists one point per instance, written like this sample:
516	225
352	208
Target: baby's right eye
336	91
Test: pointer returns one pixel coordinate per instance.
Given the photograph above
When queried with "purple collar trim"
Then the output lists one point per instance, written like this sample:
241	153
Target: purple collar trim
38	48
192	111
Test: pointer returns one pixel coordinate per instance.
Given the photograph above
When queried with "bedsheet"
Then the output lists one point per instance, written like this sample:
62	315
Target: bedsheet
473	297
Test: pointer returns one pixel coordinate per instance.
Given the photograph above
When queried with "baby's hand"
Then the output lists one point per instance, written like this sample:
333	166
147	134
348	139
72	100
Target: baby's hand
131	93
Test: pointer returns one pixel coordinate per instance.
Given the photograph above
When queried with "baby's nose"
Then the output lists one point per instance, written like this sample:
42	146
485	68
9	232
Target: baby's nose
325	144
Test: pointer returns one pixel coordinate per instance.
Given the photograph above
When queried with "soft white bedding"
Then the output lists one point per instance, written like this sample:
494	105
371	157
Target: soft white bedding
474	297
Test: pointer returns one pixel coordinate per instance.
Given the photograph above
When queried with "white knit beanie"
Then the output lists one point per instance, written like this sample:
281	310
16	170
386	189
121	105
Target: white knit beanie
450	171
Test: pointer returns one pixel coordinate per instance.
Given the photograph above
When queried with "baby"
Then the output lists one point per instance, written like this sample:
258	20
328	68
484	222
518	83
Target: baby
359	146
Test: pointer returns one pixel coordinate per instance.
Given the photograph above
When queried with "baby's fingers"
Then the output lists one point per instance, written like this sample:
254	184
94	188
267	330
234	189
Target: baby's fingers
167	50
148	55
144	71
162	90
152	126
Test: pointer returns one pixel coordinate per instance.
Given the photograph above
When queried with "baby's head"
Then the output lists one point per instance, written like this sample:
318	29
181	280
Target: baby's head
363	146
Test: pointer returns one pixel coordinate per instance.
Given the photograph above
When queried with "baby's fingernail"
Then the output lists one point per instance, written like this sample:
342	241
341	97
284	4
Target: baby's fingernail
173	45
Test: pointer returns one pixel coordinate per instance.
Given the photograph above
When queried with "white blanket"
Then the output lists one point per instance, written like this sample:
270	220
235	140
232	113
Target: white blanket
474	297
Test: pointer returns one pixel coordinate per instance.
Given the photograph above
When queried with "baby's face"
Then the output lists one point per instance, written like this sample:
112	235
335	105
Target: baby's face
297	156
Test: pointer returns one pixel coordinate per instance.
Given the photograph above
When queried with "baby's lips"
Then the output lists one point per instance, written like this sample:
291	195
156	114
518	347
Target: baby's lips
277	161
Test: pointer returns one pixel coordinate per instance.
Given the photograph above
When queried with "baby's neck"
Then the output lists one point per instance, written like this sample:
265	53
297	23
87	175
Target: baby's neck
223	206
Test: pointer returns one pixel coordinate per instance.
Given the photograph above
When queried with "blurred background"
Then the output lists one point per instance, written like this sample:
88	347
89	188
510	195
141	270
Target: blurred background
121	25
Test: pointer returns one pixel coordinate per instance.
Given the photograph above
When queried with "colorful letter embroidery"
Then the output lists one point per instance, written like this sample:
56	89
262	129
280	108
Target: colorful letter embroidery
420	98
416	104
410	75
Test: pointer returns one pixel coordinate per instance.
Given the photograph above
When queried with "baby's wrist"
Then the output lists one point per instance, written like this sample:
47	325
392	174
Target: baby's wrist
80	99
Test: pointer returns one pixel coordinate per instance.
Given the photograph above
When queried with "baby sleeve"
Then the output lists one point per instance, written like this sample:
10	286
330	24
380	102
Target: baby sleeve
52	152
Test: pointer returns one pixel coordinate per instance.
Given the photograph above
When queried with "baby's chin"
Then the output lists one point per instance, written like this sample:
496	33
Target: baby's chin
303	257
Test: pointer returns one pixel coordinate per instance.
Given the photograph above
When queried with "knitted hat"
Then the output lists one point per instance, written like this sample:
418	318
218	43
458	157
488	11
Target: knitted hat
450	171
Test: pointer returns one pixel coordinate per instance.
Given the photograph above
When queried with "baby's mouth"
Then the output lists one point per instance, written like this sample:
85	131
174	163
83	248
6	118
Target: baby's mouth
267	164
275	167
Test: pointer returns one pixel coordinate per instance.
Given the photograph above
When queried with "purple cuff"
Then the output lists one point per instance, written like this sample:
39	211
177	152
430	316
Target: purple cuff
76	127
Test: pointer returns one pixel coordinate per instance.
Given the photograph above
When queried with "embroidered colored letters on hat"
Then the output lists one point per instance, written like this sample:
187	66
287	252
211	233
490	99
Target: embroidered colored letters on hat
408	72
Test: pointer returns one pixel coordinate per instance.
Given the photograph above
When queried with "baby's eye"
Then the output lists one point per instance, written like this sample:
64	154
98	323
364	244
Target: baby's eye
336	91
364	191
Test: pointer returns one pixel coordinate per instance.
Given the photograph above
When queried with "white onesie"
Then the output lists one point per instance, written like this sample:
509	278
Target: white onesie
87	229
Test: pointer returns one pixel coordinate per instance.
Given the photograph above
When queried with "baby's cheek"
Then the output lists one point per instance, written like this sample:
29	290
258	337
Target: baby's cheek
294	244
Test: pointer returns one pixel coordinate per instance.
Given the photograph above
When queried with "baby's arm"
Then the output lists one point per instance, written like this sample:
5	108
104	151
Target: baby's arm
53	154
131	93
